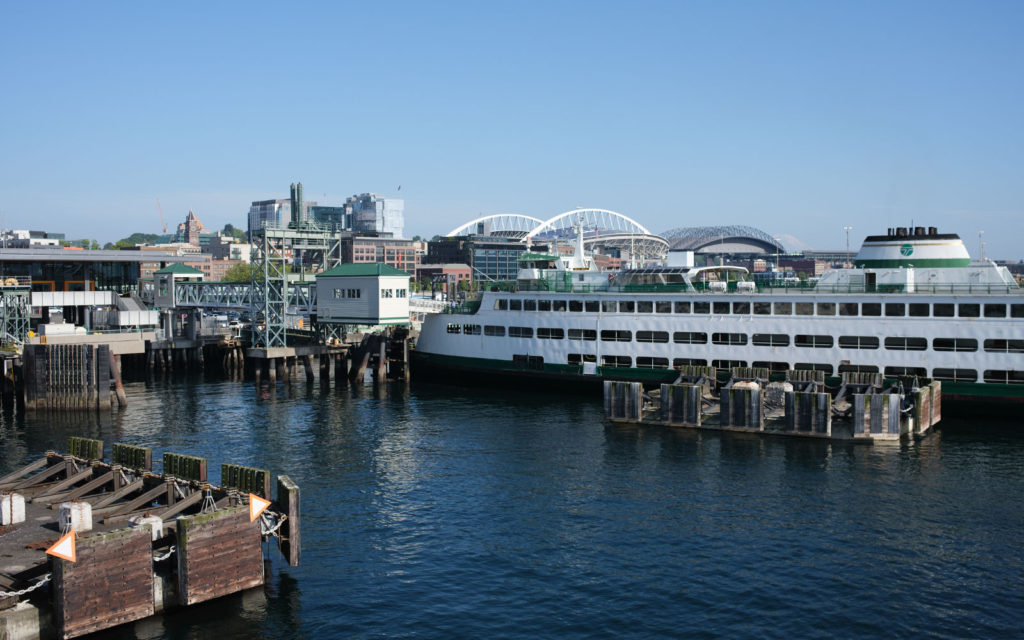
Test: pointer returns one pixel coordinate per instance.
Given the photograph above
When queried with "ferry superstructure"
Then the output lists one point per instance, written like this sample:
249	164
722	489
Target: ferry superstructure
915	303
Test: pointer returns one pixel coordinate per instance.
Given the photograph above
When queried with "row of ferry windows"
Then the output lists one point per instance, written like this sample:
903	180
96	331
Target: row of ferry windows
991	345
951	375
892	309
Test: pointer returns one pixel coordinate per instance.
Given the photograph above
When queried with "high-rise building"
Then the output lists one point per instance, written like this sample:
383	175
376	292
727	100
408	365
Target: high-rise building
372	213
269	213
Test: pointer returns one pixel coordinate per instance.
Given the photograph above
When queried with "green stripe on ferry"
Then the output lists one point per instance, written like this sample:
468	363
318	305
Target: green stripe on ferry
922	263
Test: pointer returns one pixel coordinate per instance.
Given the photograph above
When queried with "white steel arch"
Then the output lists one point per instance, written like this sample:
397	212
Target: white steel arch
600	219
501	222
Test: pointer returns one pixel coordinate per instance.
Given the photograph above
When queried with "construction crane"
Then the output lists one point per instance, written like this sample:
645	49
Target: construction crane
162	221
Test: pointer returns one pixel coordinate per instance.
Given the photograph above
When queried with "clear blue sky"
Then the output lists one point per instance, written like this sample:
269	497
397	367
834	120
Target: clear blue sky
797	118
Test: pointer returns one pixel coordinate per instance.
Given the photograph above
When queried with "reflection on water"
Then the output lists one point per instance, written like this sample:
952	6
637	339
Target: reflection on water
442	511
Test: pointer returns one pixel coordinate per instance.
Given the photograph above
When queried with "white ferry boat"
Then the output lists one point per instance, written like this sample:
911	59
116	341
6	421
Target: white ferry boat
915	304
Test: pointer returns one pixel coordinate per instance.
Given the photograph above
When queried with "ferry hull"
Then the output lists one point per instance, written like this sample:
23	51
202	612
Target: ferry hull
957	397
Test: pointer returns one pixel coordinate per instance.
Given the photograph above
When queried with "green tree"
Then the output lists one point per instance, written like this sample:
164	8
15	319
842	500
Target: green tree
240	272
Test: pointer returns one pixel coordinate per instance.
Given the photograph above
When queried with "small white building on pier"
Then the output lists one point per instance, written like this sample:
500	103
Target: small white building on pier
368	293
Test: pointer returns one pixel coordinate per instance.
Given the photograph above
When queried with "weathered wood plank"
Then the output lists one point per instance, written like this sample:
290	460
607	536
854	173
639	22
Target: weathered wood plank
218	553
112	582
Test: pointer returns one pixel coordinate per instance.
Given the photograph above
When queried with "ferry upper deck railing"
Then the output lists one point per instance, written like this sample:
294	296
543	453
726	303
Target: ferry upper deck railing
731	288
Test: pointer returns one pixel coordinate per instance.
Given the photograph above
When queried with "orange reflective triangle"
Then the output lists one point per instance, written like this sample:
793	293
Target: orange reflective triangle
257	505
65	547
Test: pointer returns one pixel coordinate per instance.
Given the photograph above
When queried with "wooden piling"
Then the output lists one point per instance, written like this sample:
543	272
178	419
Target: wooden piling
288	499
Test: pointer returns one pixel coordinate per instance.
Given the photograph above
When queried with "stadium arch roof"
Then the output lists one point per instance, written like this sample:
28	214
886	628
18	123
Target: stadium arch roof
512	225
722	239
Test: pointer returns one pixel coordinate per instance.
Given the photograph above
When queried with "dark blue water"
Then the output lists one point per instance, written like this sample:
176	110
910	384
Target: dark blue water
442	512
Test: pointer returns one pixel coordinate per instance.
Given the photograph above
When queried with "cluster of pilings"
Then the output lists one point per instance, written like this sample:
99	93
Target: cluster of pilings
68	377
865	408
385	357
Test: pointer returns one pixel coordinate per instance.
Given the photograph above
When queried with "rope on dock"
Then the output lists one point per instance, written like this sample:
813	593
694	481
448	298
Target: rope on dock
169	553
267	524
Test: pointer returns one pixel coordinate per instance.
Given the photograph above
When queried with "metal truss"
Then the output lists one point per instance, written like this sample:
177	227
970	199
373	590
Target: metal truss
14	312
276	290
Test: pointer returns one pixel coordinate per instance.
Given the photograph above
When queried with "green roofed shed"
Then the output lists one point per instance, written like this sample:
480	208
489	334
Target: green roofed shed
363	270
179	269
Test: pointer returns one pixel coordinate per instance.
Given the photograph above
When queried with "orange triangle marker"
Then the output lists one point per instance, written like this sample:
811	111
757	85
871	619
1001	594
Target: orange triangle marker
65	547
257	505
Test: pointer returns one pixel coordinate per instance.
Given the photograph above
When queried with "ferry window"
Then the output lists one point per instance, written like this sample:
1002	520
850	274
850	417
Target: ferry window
1004	346
576	305
454	328
579	358
583	334
729	338
1004	377
591	306
943	310
995	310
662	307
804	308
558	305
783	308
492	330
955	344
848	308
688	362
702	307
811	366
770	366
652	336
741	307
515	305
970	310
609	306
1017	310
763	308
501	304
857	368
858	342
645	306
529	305
821	342
543	305
626	306
770	340
548	333
520	332
684	307
471	329
895	309
616	335
955	375
728	364
616	361
689	337
918	309
900	343
904	371
826	308
721	307
651	363
871	309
